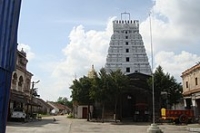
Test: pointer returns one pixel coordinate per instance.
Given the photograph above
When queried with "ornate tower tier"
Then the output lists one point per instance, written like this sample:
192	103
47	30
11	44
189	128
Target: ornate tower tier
126	50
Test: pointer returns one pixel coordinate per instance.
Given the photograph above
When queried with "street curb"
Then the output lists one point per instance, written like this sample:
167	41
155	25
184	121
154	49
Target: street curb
193	129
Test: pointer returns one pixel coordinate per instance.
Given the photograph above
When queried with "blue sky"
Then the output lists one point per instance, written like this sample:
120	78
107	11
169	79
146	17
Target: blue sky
64	38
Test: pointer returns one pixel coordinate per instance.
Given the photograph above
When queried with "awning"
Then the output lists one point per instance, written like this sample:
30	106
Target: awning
31	103
21	99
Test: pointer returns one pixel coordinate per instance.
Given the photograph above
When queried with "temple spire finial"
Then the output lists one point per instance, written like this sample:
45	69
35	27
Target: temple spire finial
125	13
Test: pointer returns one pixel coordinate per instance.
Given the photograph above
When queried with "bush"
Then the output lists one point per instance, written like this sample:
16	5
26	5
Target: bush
70	116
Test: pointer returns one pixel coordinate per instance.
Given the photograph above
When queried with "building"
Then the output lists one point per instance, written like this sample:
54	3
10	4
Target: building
81	111
137	102
57	108
43	108
191	88
127	53
9	18
92	72
126	49
20	96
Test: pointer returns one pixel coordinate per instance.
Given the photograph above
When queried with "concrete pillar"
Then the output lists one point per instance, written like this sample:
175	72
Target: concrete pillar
194	107
154	129
194	103
185	104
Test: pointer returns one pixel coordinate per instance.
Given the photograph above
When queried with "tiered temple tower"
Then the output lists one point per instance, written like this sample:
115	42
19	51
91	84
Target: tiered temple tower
126	50
92	72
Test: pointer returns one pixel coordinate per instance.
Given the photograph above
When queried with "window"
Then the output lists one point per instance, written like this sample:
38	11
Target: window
196	81
128	69
186	84
14	80
127	50
126	37
127	59
126	43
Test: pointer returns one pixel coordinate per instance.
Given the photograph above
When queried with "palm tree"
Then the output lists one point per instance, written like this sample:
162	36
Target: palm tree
120	84
101	89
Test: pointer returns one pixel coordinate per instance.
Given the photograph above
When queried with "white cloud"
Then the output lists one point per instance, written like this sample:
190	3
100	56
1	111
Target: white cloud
175	64
176	31
86	48
174	23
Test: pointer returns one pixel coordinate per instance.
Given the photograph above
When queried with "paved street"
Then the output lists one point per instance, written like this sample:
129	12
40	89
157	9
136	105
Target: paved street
65	125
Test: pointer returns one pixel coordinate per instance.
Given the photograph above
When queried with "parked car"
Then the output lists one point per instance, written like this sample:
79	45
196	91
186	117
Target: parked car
18	114
54	112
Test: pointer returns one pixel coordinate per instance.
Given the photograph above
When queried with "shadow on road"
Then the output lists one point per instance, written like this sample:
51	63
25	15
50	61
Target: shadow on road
124	122
131	123
34	123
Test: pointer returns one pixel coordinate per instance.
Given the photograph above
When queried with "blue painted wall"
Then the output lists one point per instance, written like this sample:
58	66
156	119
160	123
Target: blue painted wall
9	18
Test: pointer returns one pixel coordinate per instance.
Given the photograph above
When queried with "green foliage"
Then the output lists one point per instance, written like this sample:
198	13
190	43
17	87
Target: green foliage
81	90
65	101
70	115
100	88
119	81
108	86
103	87
167	85
62	100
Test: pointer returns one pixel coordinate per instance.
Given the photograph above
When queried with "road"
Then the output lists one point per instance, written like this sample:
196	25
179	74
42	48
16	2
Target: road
66	125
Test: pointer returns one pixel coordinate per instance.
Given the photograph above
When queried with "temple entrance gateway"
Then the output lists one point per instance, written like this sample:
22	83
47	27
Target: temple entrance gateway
137	102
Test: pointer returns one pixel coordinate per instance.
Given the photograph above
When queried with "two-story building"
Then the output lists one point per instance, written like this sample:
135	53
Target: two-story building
191	88
20	85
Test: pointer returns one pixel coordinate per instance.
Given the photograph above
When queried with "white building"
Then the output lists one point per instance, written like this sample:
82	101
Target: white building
126	50
191	88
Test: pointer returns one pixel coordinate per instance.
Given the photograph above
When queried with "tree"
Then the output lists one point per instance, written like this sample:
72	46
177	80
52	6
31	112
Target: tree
100	89
108	88
120	83
62	100
165	84
174	92
65	101
81	92
104	88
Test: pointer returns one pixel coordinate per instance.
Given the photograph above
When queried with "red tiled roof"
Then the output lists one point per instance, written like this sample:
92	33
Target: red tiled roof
60	106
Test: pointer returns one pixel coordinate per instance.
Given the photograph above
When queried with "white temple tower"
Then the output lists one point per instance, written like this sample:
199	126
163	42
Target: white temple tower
92	72
126	49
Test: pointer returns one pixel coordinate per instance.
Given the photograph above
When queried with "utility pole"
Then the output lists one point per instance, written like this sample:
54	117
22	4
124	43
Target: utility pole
32	93
153	128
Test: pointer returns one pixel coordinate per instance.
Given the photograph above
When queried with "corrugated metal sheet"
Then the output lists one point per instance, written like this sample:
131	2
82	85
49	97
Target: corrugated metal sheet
9	17
5	84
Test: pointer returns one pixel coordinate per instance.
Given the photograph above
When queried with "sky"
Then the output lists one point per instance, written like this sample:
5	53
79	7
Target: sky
64	38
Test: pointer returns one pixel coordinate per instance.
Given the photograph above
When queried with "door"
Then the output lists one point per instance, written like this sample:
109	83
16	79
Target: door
84	113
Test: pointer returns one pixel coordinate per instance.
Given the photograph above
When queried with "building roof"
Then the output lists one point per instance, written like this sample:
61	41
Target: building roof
43	103
59	106
193	68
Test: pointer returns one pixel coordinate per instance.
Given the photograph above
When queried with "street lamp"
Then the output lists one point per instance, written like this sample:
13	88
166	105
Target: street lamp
33	83
153	128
